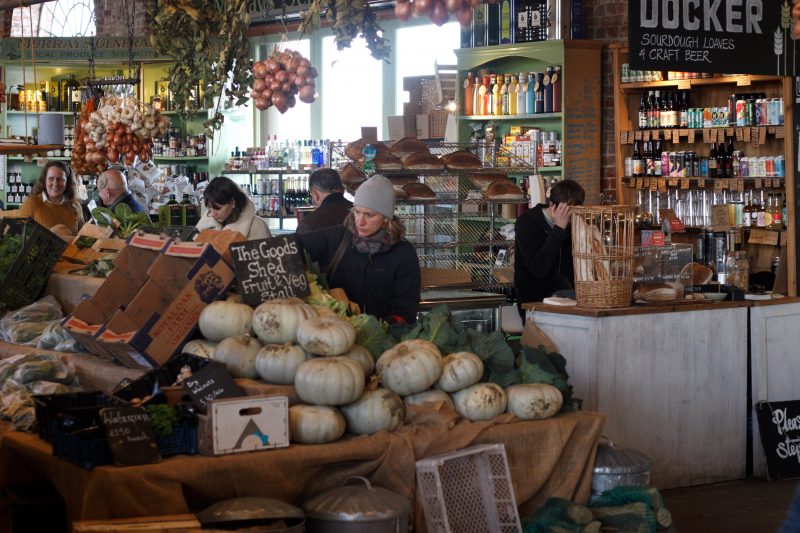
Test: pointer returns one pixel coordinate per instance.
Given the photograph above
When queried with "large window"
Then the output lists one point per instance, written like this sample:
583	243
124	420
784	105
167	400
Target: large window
60	18
352	90
417	47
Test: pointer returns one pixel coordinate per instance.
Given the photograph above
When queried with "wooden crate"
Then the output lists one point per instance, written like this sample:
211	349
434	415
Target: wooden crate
178	523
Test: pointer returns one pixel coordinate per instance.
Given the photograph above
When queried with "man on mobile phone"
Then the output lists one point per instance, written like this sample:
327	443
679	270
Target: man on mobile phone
543	256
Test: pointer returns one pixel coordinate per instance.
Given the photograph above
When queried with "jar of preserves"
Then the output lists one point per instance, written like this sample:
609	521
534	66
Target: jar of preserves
737	268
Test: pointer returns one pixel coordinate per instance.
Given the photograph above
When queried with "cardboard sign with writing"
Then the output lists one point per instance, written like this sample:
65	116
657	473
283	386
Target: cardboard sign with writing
268	269
672	224
779	426
712	37
720	218
209	383
130	436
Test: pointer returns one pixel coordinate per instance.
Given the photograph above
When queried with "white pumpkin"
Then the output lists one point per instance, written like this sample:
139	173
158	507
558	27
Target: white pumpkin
200	348
459	371
329	381
410	366
222	319
534	401
278	363
363	356
376	410
483	401
315	424
326	335
433	395
276	321
238	354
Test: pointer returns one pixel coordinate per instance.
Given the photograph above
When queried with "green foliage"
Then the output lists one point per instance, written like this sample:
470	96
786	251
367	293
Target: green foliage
371	334
162	418
208	42
10	247
99	268
536	365
440	327
122	219
348	19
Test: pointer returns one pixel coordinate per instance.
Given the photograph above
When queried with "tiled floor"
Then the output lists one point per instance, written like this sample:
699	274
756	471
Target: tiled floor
746	506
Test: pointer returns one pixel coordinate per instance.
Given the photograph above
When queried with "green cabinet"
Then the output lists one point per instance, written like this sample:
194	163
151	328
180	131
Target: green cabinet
578	125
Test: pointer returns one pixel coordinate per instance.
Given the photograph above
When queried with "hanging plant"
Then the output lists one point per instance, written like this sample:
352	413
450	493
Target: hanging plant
207	41
349	19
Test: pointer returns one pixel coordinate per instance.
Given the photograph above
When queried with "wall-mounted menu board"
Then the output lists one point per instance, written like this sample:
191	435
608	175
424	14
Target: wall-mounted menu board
725	36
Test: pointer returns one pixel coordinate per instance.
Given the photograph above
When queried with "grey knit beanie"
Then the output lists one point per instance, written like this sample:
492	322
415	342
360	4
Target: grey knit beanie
377	194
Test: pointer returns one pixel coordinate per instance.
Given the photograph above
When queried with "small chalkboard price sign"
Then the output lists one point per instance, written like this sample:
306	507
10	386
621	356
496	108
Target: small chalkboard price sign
268	269
209	383
736	36
130	436
779	426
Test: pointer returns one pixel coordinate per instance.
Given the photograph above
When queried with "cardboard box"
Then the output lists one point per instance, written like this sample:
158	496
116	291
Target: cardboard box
163	313
400	126
251	423
128	276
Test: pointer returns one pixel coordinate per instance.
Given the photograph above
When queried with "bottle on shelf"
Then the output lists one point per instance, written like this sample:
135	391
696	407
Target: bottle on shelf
548	89
637	160
540	92
642	116
530	94
649	163
657	161
683	110
522	88
712	161
469	96
497	94
556	82
513	89
747	211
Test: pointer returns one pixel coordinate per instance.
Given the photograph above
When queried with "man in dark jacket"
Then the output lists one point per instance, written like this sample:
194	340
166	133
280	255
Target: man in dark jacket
543	254
112	187
327	192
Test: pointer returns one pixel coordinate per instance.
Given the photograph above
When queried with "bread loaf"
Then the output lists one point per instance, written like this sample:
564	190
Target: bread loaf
408	145
419	191
503	189
355	149
656	292
384	161
351	174
461	159
422	161
483	181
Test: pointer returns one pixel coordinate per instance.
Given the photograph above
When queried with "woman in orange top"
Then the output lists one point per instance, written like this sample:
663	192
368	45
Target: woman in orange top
54	199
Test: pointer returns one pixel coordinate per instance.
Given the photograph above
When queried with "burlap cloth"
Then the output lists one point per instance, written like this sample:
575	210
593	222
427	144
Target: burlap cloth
547	458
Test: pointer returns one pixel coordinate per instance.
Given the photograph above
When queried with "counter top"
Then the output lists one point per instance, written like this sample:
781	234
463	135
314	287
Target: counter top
644	309
460	299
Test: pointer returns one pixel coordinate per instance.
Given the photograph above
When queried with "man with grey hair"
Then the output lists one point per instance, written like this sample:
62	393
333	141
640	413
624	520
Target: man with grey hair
112	187
327	192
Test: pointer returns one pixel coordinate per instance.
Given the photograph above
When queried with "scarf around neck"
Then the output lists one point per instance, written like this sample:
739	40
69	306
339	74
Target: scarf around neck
377	243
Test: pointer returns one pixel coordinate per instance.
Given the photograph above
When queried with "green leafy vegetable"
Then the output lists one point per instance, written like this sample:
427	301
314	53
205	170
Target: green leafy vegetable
536	365
162	418
122	219
440	327
371	334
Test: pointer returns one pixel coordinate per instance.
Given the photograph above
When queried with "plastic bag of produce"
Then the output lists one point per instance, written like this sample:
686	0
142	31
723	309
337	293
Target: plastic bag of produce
18	407
42	310
55	337
27	333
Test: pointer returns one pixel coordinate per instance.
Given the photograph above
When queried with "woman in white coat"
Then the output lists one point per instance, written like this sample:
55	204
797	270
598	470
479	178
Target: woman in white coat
228	207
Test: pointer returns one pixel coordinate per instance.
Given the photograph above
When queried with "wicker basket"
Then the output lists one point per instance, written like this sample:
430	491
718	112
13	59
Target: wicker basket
602	252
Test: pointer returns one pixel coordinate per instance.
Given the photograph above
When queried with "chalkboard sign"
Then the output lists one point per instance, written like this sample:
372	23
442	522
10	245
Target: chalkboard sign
726	36
130	436
779	425
209	383
269	268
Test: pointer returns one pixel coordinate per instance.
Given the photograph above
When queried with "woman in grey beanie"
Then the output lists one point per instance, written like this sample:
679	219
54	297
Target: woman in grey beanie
368	256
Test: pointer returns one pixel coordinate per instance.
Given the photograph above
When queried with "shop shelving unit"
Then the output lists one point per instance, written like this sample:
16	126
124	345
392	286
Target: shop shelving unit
281	173
755	140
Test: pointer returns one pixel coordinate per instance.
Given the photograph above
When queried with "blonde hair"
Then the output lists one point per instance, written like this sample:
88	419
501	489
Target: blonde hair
394	226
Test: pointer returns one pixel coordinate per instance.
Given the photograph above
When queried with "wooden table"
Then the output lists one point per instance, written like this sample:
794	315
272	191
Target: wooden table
671	379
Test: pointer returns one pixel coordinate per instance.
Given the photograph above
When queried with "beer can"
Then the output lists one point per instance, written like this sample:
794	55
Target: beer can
780	111
744	167
758	110
665	164
736	161
707	117
780	167
682	164
628	166
769	167
750	110
703	167
741	113
714	117
772	111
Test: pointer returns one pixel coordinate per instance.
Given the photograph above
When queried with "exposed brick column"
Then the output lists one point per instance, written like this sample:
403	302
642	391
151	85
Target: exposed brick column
110	16
607	21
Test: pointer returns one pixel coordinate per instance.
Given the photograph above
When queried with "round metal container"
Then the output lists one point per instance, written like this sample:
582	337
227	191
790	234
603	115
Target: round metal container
356	509
252	512
615	466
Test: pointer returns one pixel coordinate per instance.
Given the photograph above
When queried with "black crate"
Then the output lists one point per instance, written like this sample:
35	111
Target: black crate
82	407
39	251
87	452
165	376
182	440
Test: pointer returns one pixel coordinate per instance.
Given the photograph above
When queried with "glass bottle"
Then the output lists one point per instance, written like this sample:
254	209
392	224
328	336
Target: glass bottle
530	95
513	88
642	113
555	80
72	94
497	95
469	97
522	88
637	160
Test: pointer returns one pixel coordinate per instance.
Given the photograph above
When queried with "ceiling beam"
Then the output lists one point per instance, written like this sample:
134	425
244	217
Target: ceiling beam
9	5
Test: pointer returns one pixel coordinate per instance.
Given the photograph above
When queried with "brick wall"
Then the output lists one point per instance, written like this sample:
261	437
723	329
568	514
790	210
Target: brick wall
111	18
607	21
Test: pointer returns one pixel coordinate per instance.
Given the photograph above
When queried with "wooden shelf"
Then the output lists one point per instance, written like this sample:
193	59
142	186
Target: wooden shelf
49	158
14	149
21	113
537	116
276	171
177	158
741	81
701	182
737	132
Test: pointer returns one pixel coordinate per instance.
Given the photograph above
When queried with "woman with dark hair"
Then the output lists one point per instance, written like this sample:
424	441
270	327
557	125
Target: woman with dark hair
228	207
54	199
368	256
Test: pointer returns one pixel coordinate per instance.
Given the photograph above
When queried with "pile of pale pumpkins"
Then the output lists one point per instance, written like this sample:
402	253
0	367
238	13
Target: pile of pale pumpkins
288	342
